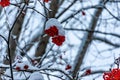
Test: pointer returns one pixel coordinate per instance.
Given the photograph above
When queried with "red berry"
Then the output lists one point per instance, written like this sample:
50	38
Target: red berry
26	67
17	68
68	67
5	3
83	13
87	72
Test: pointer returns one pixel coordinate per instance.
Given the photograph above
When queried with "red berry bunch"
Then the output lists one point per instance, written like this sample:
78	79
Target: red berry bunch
58	40
68	67
87	72
54	33
112	75
5	3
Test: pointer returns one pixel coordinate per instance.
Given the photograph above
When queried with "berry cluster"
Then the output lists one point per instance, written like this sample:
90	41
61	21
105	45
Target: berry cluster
54	33
5	3
112	75
19	68
58	40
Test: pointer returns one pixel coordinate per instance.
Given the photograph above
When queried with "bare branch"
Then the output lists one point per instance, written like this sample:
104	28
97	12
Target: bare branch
106	41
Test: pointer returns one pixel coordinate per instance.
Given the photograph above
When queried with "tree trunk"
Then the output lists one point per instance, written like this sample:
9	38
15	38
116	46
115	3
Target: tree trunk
43	43
87	39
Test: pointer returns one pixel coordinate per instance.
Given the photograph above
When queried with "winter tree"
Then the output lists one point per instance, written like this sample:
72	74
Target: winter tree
59	39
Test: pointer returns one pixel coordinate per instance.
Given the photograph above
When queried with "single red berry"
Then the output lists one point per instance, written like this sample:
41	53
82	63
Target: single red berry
26	67
83	13
17	68
87	72
5	3
68	67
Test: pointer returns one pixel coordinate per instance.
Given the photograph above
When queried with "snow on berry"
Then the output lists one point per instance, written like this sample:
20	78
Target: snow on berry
55	22
54	29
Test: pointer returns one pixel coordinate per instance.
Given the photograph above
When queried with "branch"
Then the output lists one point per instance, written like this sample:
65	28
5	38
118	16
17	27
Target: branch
0	10
112	14
106	41
95	31
4	38
66	8
94	72
99	6
15	30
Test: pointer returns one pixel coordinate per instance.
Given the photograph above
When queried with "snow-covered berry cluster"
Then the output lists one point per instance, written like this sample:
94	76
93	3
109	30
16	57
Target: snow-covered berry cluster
55	31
